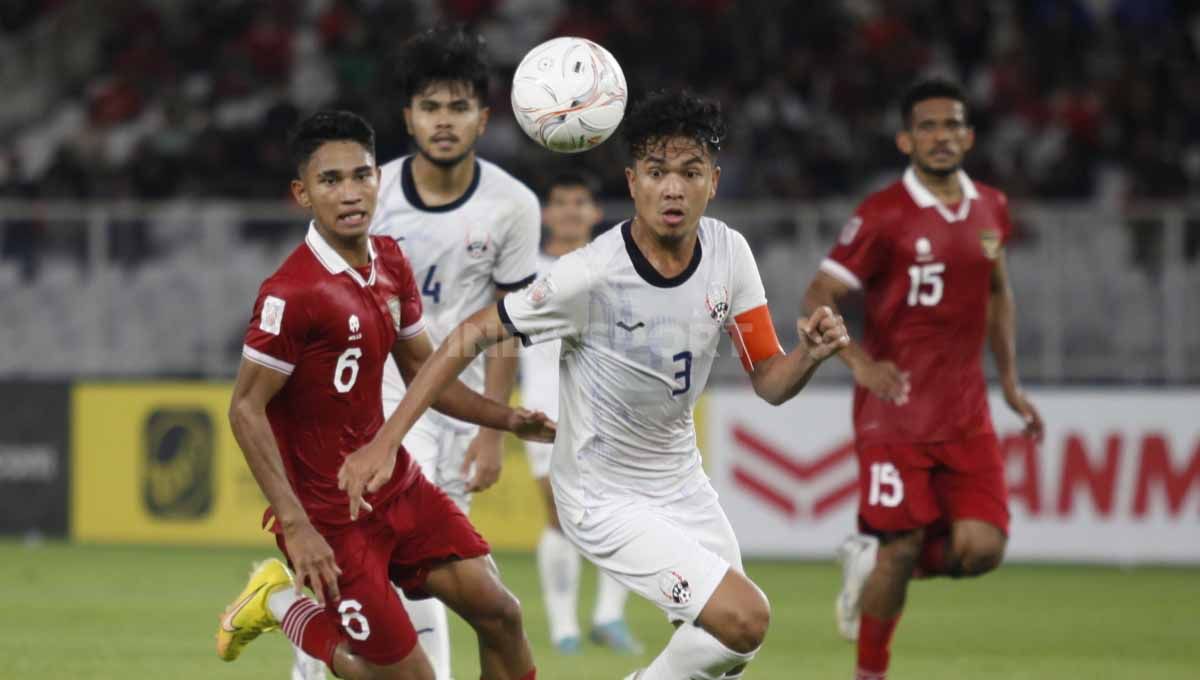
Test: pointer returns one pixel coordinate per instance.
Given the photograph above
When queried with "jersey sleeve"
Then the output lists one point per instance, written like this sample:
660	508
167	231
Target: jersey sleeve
278	328
748	291
412	322
859	253
555	306
516	264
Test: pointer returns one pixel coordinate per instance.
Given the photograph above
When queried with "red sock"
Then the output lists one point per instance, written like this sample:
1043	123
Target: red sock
933	557
312	629
874	639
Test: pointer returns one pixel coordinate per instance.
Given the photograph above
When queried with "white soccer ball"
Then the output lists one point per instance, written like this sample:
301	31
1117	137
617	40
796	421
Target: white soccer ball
568	94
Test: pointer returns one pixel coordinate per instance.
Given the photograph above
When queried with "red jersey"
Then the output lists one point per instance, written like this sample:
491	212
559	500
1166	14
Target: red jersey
925	270
330	327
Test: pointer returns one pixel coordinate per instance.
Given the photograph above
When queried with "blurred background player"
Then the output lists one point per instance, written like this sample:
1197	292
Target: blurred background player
307	395
471	232
570	215
927	252
639	312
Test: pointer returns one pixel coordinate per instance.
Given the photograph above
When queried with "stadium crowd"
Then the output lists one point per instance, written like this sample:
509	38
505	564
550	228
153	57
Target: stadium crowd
1074	99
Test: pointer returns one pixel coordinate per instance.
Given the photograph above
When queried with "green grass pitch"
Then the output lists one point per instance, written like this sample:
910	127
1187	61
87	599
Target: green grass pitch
139	612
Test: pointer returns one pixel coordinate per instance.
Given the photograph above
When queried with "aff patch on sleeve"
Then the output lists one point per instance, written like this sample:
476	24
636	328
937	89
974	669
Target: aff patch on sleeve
272	315
540	292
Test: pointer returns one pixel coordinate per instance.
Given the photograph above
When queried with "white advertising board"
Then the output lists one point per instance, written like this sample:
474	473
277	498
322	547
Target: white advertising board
1117	478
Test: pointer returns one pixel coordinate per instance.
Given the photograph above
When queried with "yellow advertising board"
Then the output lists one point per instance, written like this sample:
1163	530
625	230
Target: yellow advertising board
157	463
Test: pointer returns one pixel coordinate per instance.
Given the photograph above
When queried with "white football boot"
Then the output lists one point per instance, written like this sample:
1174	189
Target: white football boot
857	557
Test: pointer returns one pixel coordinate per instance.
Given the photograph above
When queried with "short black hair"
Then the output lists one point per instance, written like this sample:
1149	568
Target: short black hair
663	114
442	54
568	180
328	126
932	88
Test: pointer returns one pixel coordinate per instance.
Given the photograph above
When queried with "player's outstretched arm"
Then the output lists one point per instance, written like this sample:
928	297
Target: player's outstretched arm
368	468
1002	331
777	377
311	555
883	378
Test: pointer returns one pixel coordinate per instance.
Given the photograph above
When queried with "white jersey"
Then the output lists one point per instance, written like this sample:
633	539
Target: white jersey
637	349
461	253
539	365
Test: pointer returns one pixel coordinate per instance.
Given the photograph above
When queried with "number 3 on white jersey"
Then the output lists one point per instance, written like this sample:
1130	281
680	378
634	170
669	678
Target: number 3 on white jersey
926	275
347	362
885	475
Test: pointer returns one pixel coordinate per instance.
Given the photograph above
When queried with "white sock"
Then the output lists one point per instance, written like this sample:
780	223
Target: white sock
693	653
280	601
306	667
558	568
610	600
433	631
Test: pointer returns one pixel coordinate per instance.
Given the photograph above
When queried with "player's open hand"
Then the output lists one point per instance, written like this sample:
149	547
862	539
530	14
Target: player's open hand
884	380
1020	404
365	471
532	426
314	562
823	333
484	455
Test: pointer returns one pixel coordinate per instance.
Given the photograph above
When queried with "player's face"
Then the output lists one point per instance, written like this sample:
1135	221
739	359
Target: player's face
339	184
938	136
445	121
570	213
672	185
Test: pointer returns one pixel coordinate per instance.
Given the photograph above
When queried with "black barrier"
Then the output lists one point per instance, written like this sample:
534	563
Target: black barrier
34	457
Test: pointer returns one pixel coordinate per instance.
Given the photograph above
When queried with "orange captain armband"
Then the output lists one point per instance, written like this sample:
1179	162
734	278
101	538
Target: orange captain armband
753	336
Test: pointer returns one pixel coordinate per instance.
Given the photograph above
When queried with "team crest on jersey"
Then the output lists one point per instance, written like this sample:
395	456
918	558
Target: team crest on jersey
355	326
675	587
990	240
850	230
717	302
539	292
478	244
924	249
393	304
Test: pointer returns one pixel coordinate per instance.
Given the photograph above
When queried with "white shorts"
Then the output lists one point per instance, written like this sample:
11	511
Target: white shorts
673	554
539	455
440	451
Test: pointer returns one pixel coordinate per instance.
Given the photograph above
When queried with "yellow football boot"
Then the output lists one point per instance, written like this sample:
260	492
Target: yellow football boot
248	615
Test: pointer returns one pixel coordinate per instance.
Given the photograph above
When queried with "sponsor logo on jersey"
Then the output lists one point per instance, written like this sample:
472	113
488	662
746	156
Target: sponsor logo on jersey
354	328
539	292
272	315
924	250
478	244
990	240
850	230
177	479
393	304
717	302
631	328
675	587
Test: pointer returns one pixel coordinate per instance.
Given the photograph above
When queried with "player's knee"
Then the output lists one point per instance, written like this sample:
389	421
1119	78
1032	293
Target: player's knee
501	617
980	558
748	626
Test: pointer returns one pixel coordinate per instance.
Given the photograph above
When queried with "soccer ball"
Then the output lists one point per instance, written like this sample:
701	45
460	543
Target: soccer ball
568	94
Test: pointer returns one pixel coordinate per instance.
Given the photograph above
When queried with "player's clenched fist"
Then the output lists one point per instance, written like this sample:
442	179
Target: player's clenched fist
823	334
532	426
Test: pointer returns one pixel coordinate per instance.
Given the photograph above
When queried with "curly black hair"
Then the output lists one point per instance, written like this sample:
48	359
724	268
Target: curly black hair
442	54
664	114
932	88
328	126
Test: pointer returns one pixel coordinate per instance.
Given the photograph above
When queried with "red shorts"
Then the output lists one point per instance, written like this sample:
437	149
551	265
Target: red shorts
400	542
902	487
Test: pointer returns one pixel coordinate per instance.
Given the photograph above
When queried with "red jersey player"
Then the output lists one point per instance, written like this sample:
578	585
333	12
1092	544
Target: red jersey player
928	254
307	395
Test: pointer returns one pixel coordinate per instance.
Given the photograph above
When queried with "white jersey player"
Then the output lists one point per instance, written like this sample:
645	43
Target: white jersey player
639	312
569	215
470	232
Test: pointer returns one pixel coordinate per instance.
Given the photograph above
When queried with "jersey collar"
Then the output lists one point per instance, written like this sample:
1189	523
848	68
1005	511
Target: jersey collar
647	271
335	264
408	184
925	198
